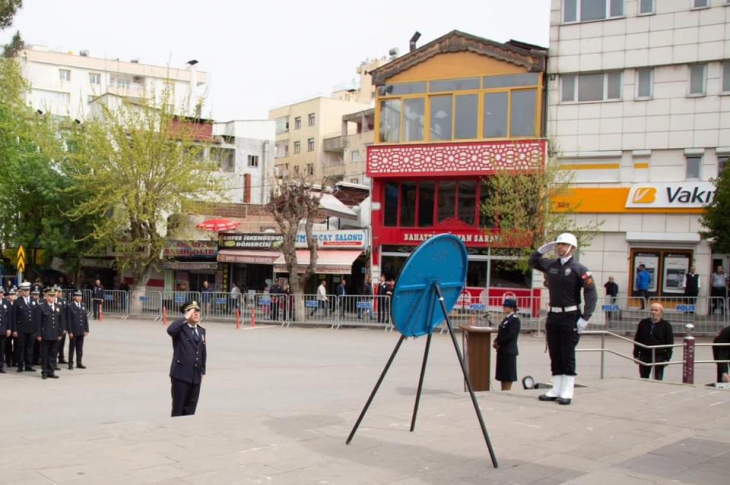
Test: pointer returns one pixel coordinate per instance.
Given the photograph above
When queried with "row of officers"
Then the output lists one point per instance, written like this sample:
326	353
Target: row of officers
33	331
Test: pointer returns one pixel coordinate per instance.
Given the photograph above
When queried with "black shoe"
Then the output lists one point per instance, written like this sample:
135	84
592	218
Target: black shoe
20	369
29	369
53	376
56	368
564	401
2	371
62	361
545	397
44	376
80	366
70	366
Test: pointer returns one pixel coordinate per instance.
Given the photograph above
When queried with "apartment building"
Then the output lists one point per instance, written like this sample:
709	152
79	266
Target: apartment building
67	83
350	147
638	108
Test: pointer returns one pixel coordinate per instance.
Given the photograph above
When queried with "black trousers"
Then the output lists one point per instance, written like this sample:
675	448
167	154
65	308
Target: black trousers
96	304
383	310
2	350
61	344
645	370
715	293
644	294
721	353
48	351
184	397
562	337
9	350
24	349
75	344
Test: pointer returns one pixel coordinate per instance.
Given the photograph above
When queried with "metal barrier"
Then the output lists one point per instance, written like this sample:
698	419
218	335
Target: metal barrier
173	300
363	311
115	303
148	305
219	307
683	310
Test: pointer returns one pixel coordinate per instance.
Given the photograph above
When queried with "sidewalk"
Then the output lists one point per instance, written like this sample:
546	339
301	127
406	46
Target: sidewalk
278	404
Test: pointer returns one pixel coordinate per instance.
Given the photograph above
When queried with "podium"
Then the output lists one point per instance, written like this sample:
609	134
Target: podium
477	344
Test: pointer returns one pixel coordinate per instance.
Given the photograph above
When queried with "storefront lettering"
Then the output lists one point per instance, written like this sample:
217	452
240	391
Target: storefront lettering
696	196
465	238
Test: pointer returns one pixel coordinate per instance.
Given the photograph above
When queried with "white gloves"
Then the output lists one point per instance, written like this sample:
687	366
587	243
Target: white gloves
582	325
546	248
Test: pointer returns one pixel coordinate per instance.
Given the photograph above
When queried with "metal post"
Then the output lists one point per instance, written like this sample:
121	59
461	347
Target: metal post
603	354
688	367
420	381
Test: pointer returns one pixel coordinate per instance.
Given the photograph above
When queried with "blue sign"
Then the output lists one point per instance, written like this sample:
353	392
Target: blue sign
109	297
144	298
610	308
686	308
264	301
478	306
220	301
363	304
311	304
179	299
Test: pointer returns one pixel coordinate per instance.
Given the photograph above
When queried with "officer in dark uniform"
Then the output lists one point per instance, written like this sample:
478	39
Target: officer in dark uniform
506	345
77	321
35	294
61	301
565	321
6	327
188	359
10	342
23	321
47	318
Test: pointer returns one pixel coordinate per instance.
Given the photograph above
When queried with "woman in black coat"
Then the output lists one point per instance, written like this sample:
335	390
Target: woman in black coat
506	345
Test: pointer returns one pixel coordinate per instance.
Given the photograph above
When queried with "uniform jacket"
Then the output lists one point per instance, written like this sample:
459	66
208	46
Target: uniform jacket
64	313
507	335
188	357
23	315
565	282
654	334
48	322
77	320
6	322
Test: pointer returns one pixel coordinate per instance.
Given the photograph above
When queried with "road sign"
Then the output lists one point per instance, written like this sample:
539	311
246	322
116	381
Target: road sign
21	259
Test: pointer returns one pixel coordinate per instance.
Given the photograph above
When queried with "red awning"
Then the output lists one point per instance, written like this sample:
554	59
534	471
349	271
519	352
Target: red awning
250	257
333	261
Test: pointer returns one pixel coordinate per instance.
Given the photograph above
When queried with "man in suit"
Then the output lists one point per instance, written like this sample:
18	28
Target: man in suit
24	329
48	328
61	301
97	296
383	302
77	325
188	359
6	327
341	296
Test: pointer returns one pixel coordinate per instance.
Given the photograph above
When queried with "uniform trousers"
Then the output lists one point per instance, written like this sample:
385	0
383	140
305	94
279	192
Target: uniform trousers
48	351
10	351
2	350
61	344
75	344
562	337
24	349
184	397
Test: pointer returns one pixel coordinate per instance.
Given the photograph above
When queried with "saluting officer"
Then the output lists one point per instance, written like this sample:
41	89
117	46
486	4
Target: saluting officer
565	321
24	328
188	359
77	321
47	318
6	327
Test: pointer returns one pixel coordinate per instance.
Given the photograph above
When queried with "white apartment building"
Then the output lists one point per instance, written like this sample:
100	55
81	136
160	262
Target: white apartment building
639	106
246	153
66	83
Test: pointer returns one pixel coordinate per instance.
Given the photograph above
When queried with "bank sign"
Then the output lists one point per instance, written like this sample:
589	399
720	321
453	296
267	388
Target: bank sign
687	195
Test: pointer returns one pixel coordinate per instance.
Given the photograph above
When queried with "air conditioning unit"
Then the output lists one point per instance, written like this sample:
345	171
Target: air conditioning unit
138	79
84	53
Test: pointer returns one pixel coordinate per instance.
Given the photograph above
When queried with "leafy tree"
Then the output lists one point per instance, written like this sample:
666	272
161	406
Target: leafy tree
138	164
8	9
715	217
16	45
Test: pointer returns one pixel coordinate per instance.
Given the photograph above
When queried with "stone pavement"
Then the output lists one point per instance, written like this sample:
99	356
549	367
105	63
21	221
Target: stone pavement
278	404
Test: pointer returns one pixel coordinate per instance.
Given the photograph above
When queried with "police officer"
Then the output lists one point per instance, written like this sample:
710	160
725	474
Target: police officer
77	325
10	342
565	279
35	294
24	329
47	319
61	301
188	359
6	327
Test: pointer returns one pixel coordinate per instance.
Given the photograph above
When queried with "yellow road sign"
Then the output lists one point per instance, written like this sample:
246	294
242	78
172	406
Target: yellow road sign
21	265
21	259
21	253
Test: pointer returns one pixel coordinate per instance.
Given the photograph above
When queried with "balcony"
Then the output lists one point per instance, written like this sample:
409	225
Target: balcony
127	89
334	142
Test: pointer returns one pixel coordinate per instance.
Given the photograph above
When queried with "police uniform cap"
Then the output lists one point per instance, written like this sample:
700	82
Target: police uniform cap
78	293
189	305
50	291
35	291
509	303
2	290
12	291
25	286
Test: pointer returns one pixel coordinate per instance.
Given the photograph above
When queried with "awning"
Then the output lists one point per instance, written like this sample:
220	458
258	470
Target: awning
331	206
332	261
250	257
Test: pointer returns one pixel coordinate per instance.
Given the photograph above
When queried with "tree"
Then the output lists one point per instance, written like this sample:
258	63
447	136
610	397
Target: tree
16	45
139	164
8	9
715	217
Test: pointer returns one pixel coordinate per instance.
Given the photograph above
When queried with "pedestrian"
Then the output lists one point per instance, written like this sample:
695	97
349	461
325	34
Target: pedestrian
722	353
342	296
643	281
288	302
383	301
125	296
322	299
6	327
235	296
97	297
650	332
506	345
48	330
366	300
188	359
206	294
77	323
691	285
24	330
611	295
565	322
274	293
718	292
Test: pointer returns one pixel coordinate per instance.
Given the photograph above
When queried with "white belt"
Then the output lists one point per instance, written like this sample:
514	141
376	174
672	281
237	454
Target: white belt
560	309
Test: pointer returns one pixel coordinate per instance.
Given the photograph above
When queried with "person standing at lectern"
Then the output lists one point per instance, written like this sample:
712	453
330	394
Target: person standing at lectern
506	345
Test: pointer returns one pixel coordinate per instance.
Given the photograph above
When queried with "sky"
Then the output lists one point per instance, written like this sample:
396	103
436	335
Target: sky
261	55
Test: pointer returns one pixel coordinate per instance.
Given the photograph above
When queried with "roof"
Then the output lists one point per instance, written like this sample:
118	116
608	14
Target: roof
533	58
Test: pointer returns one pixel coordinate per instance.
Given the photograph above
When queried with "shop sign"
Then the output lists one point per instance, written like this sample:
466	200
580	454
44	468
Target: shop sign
335	239
189	265
466	238
681	195
190	249
96	263
255	240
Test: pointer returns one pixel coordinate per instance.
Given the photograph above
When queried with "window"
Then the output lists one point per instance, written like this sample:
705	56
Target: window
312	119
408	204
282	124
402	88
94	78
700	3
722	163
693	167
587	10
697	78
296	169
253	160
390	206
426	193
354	181
298	123
644	84
467	111
64	74
591	87
310	169
310	145
726	76
355	156
646	7
390	120
418	204
522	113
297	147
467	202
484	220
447	201
441	117
413	119
246	188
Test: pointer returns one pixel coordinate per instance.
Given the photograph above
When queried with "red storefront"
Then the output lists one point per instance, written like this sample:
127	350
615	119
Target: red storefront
448	115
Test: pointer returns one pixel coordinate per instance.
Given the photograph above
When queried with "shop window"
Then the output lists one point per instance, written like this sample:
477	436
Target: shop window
495	115
413	119
522	113
446	201
426	193
390	120
390	209
467	202
505	274
441	117
408	204
476	274
484	220
467	111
